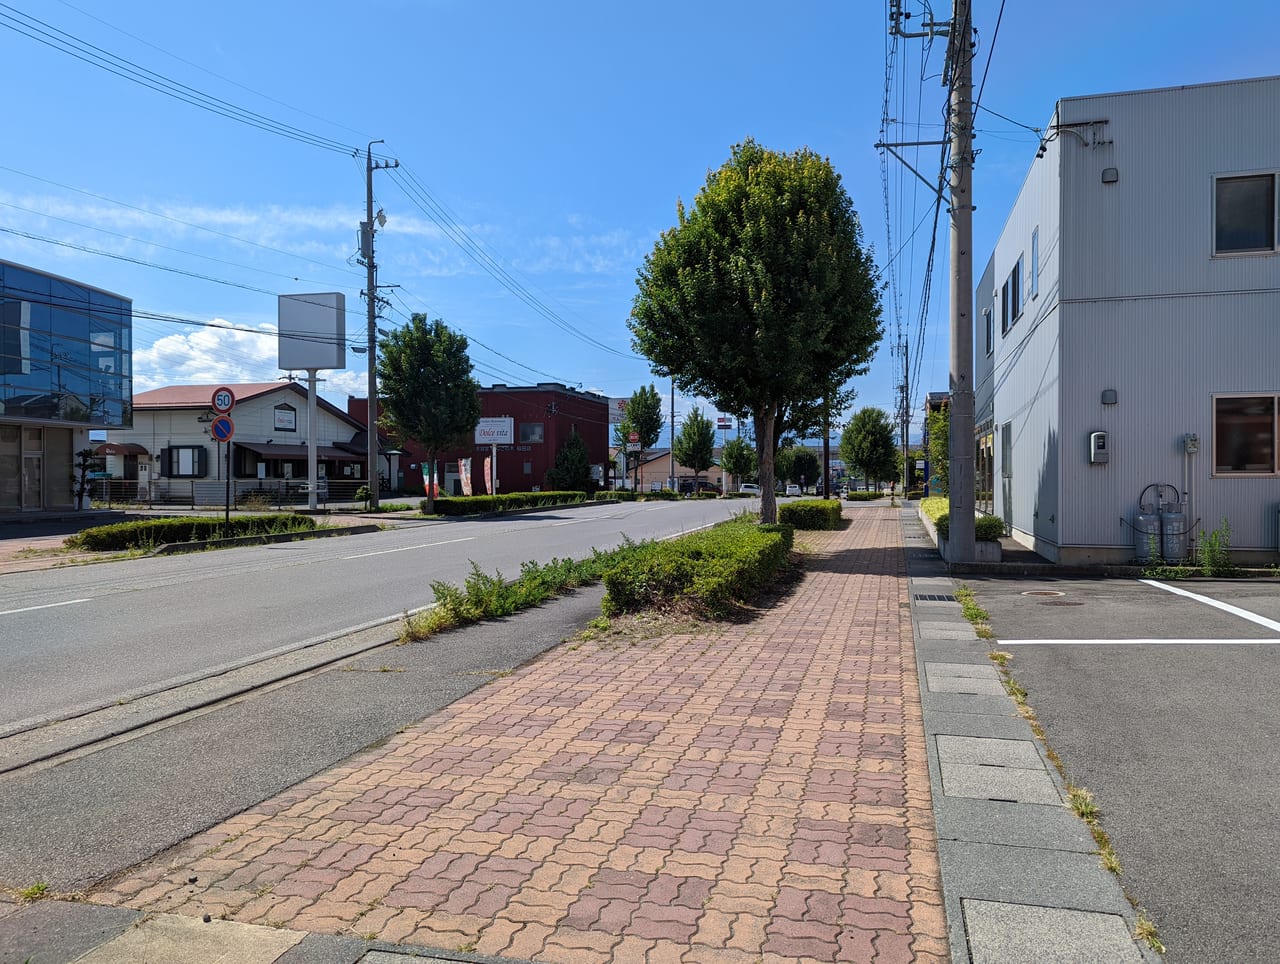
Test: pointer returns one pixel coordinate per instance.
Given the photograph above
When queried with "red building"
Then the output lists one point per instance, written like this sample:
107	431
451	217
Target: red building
544	415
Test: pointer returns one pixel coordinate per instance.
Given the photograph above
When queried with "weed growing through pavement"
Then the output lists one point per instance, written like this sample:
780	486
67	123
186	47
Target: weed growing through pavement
34	892
974	613
1146	931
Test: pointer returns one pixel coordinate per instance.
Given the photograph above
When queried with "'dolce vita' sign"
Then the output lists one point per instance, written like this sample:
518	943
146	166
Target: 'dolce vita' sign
495	431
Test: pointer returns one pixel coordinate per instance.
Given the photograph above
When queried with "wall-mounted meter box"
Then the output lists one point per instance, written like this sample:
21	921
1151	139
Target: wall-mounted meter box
1098	451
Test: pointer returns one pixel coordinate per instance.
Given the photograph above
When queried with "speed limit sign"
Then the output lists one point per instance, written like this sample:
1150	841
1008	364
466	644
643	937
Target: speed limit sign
224	400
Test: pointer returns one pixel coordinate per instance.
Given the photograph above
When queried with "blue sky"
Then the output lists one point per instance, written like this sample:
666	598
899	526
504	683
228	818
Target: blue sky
550	141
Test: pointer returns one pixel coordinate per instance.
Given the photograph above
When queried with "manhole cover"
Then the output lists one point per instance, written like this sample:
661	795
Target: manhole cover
1043	592
1059	602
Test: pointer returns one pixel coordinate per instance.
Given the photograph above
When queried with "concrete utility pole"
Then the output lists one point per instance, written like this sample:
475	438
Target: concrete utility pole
960	541
958	77
367	231
904	418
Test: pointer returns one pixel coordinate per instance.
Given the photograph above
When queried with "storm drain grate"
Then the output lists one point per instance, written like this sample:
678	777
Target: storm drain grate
934	597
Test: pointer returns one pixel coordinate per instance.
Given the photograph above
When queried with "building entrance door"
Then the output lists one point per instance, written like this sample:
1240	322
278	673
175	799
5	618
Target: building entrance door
32	479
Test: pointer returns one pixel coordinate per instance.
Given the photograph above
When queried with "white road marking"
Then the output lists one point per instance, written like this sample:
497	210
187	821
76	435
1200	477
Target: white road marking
69	602
1137	642
1270	624
569	523
426	545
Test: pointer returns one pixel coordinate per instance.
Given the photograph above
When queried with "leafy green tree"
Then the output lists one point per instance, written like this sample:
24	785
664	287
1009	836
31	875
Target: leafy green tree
738	459
426	391
938	427
762	296
695	446
572	471
806	467
866	445
644	417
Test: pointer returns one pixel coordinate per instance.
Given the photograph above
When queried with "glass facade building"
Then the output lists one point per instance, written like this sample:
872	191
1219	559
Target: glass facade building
65	368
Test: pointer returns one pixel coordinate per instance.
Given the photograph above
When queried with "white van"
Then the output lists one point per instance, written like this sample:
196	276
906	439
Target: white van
747	488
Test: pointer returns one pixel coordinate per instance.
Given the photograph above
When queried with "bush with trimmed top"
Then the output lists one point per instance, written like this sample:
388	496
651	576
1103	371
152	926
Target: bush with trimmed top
145	533
811	514
709	571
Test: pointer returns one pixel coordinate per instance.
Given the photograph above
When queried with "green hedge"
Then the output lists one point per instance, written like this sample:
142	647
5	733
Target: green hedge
811	514
864	496
709	571
986	528
502	502
144	533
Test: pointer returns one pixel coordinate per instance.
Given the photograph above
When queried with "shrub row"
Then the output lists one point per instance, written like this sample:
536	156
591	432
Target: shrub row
144	533
864	496
811	514
986	528
502	502
708	571
626	495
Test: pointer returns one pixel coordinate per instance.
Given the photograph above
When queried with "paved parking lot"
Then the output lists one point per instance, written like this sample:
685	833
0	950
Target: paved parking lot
1161	699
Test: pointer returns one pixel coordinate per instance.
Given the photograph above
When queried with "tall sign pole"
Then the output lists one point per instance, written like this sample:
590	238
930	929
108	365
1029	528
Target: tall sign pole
961	546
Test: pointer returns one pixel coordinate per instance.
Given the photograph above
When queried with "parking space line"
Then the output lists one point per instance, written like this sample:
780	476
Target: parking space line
1270	624
1139	642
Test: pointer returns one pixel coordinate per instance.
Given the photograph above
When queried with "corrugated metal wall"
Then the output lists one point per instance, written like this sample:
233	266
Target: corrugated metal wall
1143	308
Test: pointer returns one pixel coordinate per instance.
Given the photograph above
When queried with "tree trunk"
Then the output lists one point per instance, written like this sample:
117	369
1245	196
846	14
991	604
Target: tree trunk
764	424
431	498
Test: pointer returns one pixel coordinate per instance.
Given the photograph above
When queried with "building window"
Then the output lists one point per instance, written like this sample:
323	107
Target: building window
184	462
528	467
1015	292
1035	263
1244	435
286	418
990	326
530	432
1004	309
1244	214
1006	450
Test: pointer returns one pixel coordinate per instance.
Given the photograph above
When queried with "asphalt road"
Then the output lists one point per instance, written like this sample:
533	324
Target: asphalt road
1177	735
82	638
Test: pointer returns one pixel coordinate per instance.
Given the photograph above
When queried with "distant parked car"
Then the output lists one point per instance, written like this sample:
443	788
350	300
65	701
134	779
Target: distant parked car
749	488
793	489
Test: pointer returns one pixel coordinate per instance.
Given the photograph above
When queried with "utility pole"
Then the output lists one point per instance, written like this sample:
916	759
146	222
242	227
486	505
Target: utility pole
367	230
904	417
961	546
957	76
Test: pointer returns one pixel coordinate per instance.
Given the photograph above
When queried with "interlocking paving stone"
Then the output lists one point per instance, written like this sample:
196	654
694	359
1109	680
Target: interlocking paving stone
730	792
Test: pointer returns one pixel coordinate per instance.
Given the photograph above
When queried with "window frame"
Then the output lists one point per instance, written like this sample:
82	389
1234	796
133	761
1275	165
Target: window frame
989	324
1005	321
527	433
1215	470
1274	176
1015	292
1035	262
199	460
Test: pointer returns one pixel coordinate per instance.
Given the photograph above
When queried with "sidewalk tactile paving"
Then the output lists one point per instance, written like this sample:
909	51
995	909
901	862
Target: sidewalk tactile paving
754	791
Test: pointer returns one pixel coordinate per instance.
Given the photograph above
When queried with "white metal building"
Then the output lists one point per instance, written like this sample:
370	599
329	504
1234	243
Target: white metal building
1135	292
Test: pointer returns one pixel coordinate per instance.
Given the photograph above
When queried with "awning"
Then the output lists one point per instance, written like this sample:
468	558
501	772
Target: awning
269	450
120	448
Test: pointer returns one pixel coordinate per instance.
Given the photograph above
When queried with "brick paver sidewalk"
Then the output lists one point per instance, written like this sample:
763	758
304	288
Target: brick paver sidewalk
755	791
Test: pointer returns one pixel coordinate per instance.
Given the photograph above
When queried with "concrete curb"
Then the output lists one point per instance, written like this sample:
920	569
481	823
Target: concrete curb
1021	878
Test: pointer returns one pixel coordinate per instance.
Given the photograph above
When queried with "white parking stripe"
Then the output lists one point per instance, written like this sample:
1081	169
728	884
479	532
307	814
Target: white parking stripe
1001	643
28	609
427	545
1270	624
